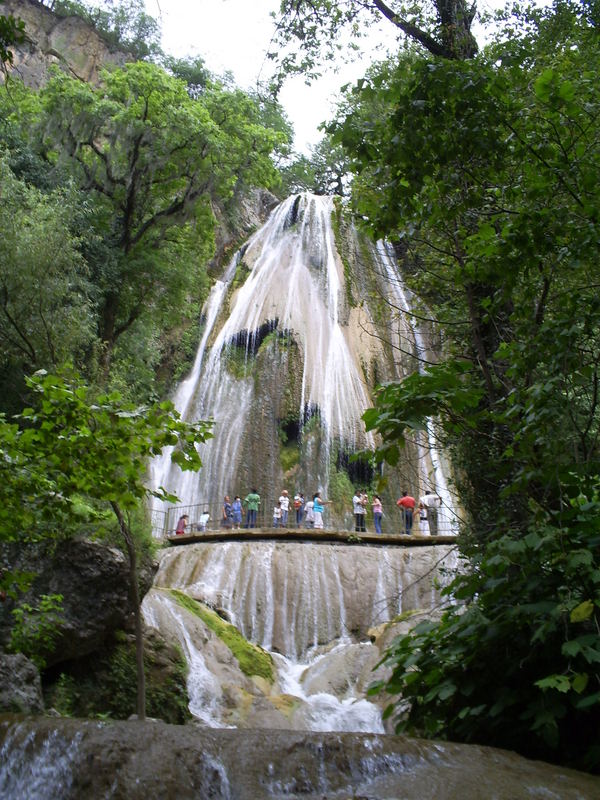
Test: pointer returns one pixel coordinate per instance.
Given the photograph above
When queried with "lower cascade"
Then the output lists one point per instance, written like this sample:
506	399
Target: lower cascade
49	759
312	609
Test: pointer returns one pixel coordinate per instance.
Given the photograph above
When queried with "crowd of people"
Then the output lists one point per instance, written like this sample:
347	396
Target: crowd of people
301	512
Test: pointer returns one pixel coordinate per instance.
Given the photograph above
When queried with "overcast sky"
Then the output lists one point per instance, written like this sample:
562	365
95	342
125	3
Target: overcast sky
234	35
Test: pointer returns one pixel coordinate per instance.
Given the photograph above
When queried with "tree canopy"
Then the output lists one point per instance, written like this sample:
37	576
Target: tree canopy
485	173
310	32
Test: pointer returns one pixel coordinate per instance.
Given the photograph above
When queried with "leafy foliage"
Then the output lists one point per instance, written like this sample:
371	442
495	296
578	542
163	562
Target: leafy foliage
104	687
146	165
317	28
35	629
75	445
486	174
12	31
45	307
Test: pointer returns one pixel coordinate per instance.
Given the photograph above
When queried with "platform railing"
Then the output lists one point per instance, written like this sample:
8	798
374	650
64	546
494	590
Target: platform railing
164	523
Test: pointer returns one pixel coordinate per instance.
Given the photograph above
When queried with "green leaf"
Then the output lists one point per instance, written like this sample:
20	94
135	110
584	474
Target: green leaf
582	612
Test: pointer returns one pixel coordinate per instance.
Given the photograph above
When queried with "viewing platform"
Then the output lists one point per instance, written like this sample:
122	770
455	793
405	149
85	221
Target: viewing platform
308	535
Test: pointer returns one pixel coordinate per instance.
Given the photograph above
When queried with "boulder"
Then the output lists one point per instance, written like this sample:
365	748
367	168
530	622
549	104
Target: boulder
93	580
20	685
72	759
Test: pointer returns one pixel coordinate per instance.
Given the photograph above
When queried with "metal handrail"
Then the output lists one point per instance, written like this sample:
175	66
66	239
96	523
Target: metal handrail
165	522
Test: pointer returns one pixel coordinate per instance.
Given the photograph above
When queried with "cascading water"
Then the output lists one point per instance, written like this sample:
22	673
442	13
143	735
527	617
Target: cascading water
287	342
294	290
310	606
408	339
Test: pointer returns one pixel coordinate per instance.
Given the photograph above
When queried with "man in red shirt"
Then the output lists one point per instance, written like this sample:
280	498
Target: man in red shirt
407	504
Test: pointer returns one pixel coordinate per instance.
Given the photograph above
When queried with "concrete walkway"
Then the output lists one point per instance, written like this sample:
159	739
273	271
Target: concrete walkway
309	535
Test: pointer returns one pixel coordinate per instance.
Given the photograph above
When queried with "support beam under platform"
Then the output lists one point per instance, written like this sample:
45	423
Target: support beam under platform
308	535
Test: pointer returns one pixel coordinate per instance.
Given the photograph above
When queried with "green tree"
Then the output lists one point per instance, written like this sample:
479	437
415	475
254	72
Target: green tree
487	174
155	161
46	314
441	28
73	444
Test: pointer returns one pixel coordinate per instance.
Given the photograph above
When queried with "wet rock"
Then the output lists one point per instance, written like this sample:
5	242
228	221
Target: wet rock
20	685
340	672
318	593
72	759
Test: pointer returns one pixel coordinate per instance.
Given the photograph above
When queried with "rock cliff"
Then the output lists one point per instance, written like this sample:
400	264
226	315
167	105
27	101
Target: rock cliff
51	40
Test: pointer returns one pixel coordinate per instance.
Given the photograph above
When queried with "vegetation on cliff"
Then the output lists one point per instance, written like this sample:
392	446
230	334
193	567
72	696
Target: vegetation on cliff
102	685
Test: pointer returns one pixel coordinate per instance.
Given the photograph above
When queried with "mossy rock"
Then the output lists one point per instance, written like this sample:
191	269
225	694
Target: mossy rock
253	660
286	704
105	685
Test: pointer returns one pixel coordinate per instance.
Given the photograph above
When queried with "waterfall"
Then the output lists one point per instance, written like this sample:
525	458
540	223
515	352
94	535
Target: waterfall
294	290
407	338
311	606
44	769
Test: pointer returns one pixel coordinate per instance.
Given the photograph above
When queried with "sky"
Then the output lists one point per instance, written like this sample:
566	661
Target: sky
234	35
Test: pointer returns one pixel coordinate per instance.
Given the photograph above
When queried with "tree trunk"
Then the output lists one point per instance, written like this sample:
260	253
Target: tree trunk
135	599
107	331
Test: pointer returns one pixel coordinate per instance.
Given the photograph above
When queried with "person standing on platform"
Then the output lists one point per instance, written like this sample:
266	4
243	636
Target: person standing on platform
251	504
318	509
359	512
299	508
430	503
309	514
236	507
284	502
277	514
407	504
377	512
226	514
181	524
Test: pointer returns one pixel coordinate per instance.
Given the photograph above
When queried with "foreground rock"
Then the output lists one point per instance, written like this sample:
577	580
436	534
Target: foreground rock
48	758
93	580
20	685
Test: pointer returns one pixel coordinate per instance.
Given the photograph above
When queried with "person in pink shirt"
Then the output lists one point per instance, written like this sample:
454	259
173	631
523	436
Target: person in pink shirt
181	524
377	512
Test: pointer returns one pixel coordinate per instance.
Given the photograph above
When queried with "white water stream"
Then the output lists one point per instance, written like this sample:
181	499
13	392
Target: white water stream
296	286
305	604
409	338
310	606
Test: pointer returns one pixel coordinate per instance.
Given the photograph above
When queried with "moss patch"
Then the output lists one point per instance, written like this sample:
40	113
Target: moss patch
253	660
237	362
285	704
289	455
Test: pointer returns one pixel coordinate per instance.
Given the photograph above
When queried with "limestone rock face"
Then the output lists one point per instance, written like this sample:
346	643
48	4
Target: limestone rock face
293	596
93	580
313	606
52	40
20	685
